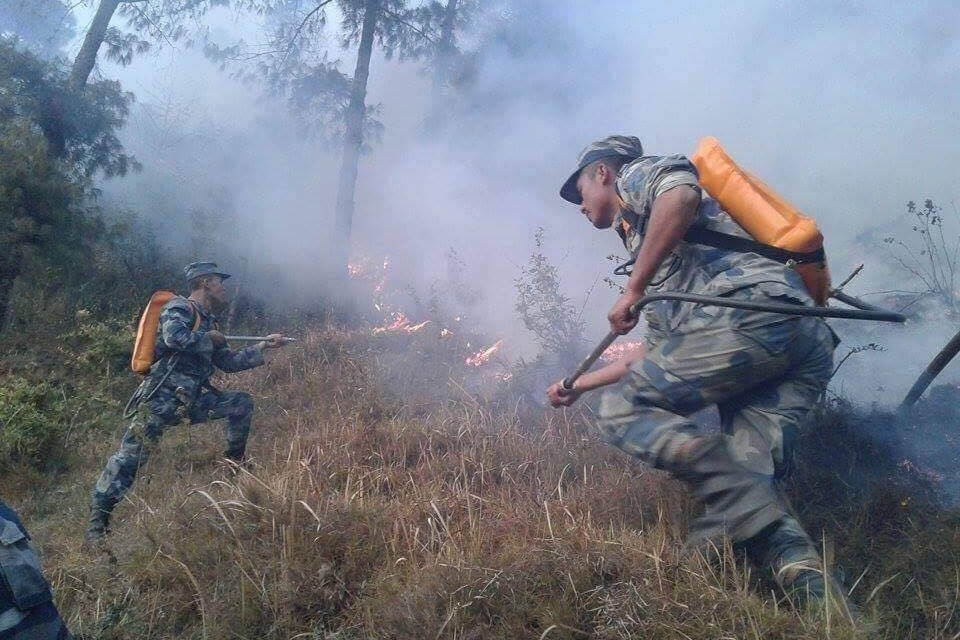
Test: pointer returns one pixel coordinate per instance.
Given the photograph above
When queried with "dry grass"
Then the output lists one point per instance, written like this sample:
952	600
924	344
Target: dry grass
369	515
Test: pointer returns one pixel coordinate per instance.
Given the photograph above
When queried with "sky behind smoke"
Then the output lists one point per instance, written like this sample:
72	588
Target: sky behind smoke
848	109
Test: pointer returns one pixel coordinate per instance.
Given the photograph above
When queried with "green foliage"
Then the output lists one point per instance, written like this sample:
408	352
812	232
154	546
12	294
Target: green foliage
126	264
42	26
319	96
97	345
122	47
110	277
170	21
40	421
35	197
33	420
36	203
53	140
295	59
545	311
79	127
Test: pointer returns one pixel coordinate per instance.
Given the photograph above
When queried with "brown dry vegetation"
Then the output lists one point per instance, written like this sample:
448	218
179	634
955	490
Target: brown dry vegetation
370	515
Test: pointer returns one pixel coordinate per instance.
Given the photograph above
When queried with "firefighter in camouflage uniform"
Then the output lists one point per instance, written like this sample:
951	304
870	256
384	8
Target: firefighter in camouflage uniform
763	371
188	350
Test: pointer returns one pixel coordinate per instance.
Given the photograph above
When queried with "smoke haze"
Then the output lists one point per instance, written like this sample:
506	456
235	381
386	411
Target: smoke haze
848	110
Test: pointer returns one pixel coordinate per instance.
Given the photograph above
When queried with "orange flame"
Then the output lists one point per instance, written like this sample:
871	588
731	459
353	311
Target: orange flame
618	350
481	358
416	327
375	275
400	323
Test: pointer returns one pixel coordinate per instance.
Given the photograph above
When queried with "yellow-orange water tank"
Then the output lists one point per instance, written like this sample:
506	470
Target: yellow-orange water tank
762	213
145	344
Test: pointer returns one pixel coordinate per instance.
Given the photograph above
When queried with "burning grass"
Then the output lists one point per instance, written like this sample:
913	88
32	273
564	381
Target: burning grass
374	511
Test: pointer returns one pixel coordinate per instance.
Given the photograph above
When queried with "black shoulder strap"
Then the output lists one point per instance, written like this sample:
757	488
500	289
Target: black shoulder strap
711	238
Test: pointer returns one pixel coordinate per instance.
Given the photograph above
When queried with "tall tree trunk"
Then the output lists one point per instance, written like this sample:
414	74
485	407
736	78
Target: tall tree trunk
353	139
87	57
443	66
446	47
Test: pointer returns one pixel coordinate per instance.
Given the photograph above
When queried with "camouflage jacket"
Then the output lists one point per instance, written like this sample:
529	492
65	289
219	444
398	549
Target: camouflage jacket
191	353
26	603
693	268
22	586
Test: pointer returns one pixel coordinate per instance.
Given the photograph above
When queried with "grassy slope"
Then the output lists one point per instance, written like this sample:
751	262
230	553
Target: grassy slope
368	516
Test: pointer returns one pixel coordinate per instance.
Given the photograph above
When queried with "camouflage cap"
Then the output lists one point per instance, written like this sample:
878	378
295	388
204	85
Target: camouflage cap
609	147
195	270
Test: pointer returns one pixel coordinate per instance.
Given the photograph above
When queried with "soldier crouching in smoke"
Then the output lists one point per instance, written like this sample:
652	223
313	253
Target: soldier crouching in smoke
188	348
763	371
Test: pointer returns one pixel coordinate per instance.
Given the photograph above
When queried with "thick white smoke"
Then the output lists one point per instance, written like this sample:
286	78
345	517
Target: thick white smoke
848	111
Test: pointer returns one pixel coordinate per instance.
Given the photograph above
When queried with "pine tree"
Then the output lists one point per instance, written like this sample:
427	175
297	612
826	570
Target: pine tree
295	62
43	196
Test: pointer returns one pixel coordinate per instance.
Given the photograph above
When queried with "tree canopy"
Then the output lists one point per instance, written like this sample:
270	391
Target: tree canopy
53	141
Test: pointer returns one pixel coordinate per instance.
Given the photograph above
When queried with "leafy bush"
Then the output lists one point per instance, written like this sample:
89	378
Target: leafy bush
34	420
96	345
543	308
53	140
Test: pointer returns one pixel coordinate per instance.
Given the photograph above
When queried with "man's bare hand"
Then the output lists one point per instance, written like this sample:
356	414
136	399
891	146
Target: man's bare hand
559	396
621	317
273	341
217	338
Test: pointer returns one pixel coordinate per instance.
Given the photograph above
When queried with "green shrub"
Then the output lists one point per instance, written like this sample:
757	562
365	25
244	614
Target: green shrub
98	346
545	311
34	420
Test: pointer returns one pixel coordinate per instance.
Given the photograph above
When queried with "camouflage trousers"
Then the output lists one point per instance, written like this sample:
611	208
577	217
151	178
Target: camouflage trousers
764	372
148	425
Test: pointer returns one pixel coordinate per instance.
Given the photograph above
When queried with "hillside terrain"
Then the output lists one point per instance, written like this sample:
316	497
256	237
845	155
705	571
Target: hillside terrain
396	491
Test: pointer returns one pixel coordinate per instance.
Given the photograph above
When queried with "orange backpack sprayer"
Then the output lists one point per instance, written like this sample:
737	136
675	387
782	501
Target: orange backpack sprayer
778	231
144	347
767	217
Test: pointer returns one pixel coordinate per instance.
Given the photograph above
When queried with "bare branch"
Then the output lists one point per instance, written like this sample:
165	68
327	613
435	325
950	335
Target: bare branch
415	28
912	255
917	274
873	346
850	277
299	29
153	24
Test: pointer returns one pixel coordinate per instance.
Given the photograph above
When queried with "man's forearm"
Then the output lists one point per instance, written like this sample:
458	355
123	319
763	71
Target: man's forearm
613	372
670	218
235	361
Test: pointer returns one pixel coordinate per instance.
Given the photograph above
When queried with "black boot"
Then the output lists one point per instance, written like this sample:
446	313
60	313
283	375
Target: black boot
789	552
98	525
